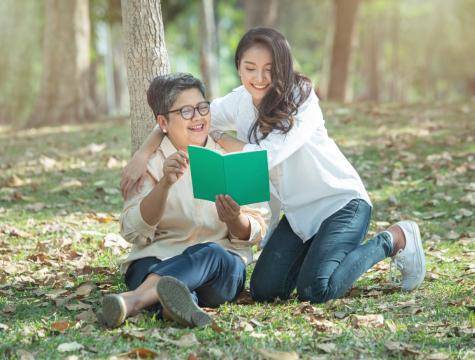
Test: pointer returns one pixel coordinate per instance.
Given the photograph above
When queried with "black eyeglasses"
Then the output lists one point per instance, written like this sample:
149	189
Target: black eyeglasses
189	111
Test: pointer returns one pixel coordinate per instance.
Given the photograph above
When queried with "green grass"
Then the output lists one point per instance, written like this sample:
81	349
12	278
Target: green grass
417	153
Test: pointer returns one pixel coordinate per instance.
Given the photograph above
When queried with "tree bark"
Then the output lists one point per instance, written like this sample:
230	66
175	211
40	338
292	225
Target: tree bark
209	56
327	54
146	58
373	63
345	19
64	90
260	13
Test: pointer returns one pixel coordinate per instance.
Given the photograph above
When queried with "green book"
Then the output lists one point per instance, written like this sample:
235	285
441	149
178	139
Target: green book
244	176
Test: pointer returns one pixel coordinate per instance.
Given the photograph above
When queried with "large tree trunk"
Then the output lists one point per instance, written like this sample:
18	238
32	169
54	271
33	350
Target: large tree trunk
209	56
373	57
260	13
345	19
64	90
146	58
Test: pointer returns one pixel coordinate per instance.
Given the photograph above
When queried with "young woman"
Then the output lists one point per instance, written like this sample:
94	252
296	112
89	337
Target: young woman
316	247
186	252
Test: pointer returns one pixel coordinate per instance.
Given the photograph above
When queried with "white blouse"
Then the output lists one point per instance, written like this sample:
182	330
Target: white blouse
314	178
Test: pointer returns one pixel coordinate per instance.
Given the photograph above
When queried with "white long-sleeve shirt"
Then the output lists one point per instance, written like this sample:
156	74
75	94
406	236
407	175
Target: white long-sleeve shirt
314	178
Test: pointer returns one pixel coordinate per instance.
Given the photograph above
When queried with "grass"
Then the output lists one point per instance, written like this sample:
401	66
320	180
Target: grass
417	163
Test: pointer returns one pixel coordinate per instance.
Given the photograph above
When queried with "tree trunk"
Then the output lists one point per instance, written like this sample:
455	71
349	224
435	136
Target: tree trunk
209	56
373	57
327	52
260	13
345	19
64	90
146	58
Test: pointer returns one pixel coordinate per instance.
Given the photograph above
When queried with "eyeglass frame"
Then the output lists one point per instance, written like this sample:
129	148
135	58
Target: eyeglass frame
194	109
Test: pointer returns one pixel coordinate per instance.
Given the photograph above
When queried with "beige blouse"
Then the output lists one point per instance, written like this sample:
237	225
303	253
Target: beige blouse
186	221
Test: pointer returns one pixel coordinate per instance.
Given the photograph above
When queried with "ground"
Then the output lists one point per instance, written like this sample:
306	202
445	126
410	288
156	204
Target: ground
59	199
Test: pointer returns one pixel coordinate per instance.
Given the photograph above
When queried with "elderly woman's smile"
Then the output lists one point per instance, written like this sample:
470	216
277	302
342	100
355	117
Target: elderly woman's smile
186	124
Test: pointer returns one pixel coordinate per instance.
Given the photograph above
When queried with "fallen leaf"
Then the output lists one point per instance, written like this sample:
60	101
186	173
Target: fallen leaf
395	345
143	353
69	347
71	183
340	315
452	235
3	327
115	240
9	309
215	327
246	326
112	162
86	316
55	293
431	276
85	288
328	348
24	355
96	148
465	212
367	320
270	354
186	340
15	181
88	329
405	304
36	206
437	356
78	306
63	325
47	162
392	199
257	335
138	334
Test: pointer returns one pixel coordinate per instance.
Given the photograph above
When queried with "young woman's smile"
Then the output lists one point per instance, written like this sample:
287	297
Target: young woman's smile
255	72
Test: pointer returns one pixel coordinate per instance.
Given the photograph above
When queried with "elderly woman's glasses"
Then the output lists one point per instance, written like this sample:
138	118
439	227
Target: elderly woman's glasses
189	111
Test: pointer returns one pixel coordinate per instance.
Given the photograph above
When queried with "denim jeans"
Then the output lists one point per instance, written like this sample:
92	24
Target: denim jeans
213	275
323	267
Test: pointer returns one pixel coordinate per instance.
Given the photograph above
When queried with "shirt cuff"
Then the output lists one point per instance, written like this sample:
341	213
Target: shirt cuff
140	225
254	238
251	147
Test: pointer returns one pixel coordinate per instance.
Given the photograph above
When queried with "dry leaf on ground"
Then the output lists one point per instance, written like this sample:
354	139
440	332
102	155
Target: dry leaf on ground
276	355
63	325
9	309
24	355
15	181
112	240
437	356
186	340
367	320
215	327
257	335
328	348
143	353
85	288
86	316
246	326
72	346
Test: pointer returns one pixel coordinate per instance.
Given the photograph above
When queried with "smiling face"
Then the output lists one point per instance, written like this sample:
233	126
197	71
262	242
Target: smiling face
255	72
183	132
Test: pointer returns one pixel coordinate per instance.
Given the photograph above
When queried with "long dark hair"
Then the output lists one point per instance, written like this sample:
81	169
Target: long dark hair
289	88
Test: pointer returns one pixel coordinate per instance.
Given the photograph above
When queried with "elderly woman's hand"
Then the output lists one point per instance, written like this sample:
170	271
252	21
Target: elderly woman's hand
174	167
228	209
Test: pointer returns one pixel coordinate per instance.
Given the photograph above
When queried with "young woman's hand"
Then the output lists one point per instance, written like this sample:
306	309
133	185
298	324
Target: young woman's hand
174	167
228	209
135	170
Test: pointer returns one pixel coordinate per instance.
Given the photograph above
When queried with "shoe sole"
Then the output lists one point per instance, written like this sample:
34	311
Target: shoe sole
420	254
113	311
176	299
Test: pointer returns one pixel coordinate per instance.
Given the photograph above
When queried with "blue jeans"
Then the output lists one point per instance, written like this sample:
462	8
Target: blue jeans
213	275
323	267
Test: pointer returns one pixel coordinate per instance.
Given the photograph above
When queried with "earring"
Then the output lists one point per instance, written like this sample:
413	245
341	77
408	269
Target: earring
165	131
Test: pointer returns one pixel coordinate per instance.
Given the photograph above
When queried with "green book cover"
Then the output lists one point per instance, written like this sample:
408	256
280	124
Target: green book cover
244	176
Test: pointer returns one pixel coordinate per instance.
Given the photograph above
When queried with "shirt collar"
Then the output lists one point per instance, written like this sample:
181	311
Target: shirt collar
168	149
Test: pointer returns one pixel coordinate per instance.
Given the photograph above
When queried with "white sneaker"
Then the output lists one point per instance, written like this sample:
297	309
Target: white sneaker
411	261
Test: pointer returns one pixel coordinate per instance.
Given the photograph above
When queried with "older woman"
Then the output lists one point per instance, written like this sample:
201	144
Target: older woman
186	252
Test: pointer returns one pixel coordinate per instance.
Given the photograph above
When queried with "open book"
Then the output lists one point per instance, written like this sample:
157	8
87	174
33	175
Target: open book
244	176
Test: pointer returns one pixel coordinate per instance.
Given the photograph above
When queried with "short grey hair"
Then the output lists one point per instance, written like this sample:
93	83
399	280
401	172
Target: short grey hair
164	90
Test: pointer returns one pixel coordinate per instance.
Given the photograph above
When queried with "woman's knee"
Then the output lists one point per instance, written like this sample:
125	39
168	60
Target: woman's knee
309	291
263	288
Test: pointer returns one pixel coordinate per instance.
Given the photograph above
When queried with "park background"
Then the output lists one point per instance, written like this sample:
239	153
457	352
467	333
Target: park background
396	81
